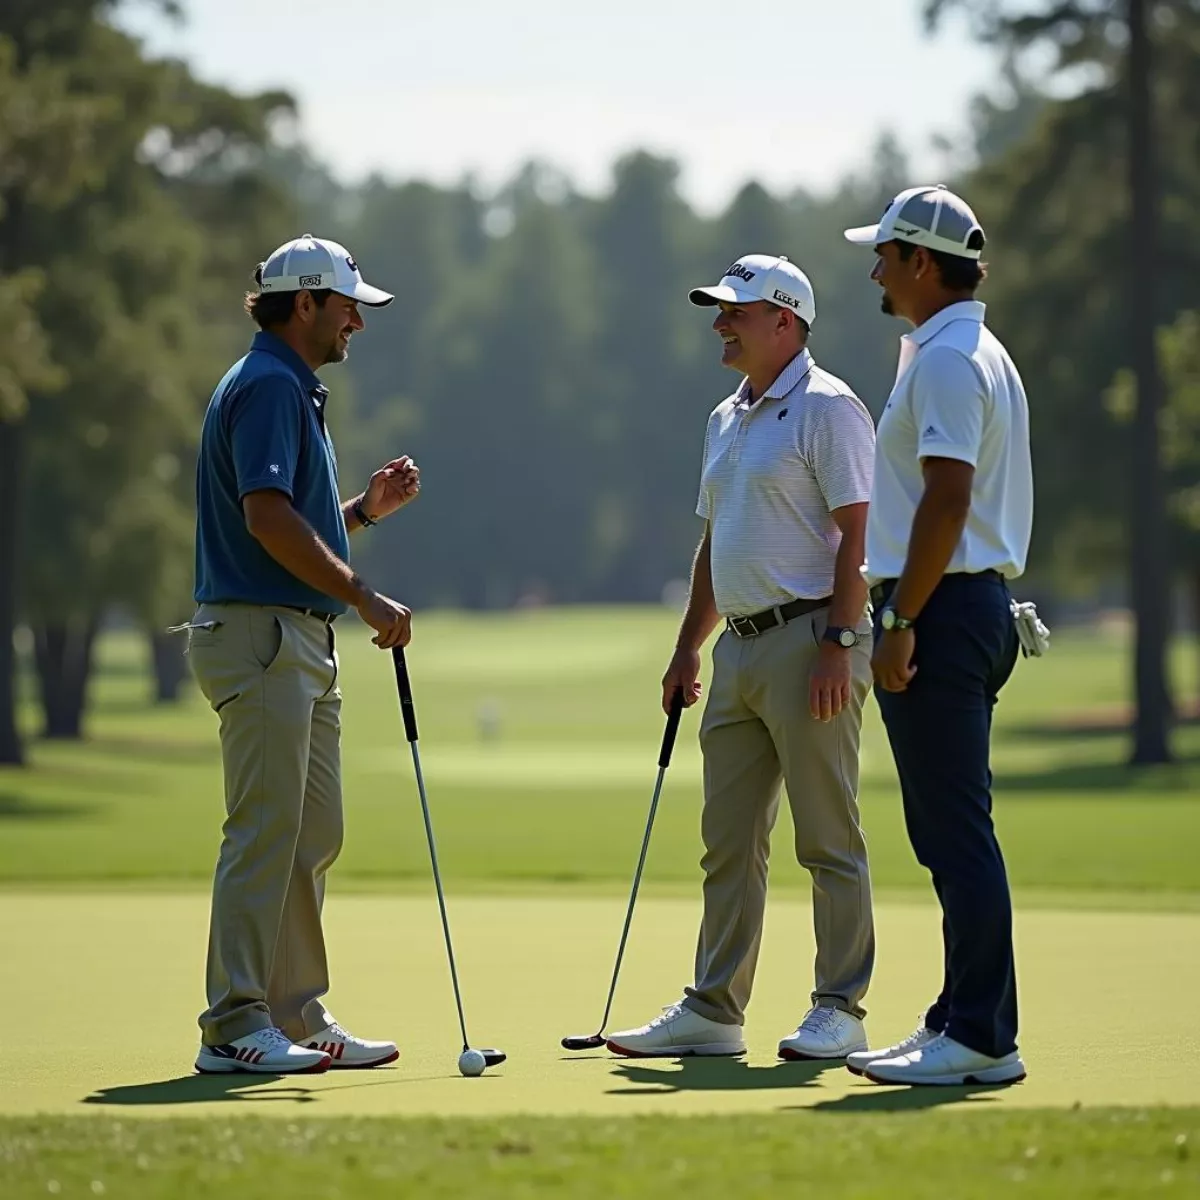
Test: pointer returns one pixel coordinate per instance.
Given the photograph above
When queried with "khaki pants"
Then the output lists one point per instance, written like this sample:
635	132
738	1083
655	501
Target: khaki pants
756	733
271	676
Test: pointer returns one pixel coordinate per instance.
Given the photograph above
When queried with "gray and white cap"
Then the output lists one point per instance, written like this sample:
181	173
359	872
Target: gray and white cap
768	277
926	216
315	264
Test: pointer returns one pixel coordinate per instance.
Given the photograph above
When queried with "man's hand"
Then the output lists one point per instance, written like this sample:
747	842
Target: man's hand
391	621
391	487
683	673
829	685
892	661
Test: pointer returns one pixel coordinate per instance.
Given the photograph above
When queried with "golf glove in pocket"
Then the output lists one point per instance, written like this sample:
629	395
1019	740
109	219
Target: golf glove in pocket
1032	631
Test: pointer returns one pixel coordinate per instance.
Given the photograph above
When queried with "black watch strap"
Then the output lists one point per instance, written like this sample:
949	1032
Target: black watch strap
361	514
842	635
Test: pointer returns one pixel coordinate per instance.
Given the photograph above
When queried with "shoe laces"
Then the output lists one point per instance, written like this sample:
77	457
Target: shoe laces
669	1013
921	1036
820	1019
274	1037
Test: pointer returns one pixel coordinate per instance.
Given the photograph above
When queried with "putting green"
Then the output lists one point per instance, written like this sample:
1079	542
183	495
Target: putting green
102	990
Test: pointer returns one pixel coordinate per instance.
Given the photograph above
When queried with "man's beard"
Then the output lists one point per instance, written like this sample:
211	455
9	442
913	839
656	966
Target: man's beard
337	353
887	305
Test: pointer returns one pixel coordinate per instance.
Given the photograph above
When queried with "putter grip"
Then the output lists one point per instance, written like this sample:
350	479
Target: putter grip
668	742
404	687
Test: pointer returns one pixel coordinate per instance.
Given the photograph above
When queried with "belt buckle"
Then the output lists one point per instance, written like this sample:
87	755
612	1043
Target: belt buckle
738	624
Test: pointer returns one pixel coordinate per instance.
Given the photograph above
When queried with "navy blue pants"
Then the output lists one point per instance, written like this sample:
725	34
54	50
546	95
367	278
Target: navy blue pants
940	733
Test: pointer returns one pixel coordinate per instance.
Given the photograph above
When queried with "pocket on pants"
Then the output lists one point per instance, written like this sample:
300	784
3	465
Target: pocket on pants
268	636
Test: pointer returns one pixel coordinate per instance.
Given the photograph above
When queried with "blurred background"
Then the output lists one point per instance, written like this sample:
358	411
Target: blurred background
540	183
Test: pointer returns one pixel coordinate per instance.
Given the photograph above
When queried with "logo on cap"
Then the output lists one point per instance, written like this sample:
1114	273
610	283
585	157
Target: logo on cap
784	298
351	264
310	281
737	271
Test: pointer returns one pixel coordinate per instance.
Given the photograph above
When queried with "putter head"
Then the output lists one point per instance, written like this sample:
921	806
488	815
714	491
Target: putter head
493	1057
592	1041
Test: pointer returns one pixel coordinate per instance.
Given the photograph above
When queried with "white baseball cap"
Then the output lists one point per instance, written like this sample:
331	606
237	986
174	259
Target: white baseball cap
768	277
926	216
316	263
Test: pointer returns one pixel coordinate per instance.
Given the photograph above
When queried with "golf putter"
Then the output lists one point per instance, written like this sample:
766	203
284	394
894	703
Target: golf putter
491	1057
596	1040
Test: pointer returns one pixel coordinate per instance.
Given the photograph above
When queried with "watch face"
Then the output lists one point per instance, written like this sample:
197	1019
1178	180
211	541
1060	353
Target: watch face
848	638
888	618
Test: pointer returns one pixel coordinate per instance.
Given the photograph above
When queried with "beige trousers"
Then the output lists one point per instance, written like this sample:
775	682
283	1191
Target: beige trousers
757	733
271	676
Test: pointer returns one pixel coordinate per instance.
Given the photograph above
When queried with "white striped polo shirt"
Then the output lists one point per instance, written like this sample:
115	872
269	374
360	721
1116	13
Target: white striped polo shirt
773	473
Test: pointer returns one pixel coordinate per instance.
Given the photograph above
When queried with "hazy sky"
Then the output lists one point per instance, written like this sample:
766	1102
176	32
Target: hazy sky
789	92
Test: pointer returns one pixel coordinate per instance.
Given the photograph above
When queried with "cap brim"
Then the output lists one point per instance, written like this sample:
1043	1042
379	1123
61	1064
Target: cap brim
708	296
863	235
364	293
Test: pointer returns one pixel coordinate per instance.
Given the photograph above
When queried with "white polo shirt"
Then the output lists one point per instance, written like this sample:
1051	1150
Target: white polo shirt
957	395
773	472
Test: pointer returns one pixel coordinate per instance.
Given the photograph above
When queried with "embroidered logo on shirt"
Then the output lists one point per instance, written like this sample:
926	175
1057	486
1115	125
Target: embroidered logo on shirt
274	468
782	414
931	431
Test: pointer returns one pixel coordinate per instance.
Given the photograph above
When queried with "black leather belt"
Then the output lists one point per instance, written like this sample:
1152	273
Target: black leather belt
772	618
327	617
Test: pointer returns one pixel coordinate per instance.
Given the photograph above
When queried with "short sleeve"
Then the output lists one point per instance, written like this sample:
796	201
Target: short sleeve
841	452
264	425
703	509
948	403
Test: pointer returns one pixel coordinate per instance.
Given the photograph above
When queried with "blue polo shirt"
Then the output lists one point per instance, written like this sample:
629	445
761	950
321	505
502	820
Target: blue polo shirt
265	428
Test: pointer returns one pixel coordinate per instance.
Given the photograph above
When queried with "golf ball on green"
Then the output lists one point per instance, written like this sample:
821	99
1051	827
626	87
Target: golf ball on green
471	1062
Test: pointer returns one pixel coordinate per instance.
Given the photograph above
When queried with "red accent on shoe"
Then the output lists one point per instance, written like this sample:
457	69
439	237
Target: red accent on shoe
632	1053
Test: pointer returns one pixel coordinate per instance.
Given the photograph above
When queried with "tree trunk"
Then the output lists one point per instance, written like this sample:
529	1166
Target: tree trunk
170	665
1148	522
63	652
11	750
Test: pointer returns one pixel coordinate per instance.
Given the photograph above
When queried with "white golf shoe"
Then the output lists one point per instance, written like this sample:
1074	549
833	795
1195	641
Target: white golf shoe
858	1062
347	1051
824	1033
678	1033
946	1063
264	1052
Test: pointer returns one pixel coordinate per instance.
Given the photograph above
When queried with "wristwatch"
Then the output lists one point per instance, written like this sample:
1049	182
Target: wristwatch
889	619
842	635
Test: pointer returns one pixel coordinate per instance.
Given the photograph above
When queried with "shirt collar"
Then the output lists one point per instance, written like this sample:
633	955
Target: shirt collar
303	372
963	310
787	379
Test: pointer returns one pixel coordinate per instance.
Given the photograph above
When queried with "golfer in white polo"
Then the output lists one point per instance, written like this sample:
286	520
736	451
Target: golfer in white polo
786	480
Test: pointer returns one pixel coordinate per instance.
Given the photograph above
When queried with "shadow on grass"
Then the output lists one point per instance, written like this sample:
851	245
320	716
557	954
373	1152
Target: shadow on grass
201	1089
18	808
1171	780
874	1098
715	1075
1114	722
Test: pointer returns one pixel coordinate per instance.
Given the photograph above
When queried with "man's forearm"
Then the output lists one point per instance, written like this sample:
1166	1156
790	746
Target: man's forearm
701	617
936	530
289	539
849	588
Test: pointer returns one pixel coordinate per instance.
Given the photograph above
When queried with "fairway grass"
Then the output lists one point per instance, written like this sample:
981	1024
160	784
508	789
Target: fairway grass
878	1155
106	1002
106	853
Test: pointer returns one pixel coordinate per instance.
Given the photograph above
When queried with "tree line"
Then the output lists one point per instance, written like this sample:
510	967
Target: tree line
541	360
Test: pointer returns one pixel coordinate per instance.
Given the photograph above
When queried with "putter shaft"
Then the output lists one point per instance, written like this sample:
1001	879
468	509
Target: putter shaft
637	881
437	882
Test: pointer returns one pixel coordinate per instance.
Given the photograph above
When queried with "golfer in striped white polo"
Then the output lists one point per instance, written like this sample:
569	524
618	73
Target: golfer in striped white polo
787	471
